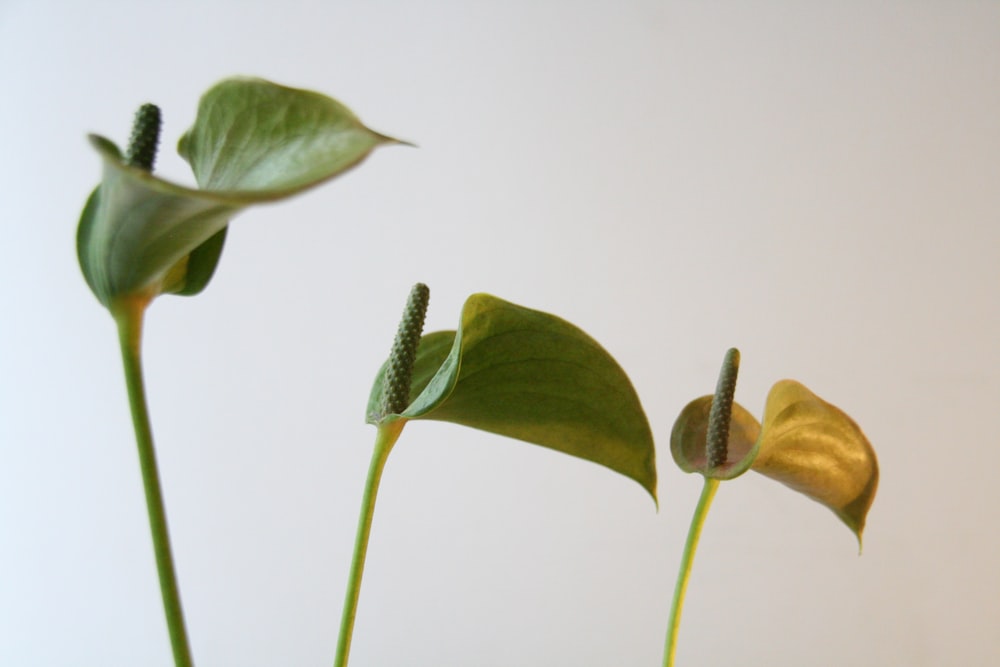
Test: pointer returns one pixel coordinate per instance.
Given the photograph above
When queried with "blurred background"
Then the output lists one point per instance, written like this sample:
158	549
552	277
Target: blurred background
814	184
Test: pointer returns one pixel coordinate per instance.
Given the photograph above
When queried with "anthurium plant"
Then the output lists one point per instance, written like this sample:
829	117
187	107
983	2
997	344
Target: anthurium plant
505	369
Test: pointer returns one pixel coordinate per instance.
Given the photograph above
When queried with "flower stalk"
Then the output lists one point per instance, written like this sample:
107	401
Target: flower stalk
684	573
717	451
384	440
395	399
128	315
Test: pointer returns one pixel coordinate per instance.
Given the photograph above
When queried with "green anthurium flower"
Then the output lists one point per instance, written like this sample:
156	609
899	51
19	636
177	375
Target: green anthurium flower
524	374
137	233
807	444
252	142
509	370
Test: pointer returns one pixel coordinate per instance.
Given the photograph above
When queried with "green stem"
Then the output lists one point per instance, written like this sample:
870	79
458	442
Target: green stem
386	437
129	316
680	588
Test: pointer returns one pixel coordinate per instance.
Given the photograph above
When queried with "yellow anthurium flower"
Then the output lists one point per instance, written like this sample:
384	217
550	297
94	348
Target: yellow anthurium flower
807	444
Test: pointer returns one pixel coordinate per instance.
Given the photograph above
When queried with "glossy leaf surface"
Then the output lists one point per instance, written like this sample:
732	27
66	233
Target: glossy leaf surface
253	142
814	448
531	376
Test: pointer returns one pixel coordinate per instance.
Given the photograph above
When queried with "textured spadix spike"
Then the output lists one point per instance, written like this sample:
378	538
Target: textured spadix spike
399	373
145	139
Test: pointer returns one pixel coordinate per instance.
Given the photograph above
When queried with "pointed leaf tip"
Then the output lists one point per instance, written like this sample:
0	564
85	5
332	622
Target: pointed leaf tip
256	136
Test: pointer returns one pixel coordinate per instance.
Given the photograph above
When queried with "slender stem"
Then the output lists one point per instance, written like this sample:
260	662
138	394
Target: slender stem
680	588
386	437
129	317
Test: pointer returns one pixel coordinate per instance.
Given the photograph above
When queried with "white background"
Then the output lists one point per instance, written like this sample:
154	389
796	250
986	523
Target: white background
814	183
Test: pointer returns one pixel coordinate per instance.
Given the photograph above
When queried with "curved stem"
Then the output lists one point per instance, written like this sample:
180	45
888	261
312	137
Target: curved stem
386	437
680	588
129	316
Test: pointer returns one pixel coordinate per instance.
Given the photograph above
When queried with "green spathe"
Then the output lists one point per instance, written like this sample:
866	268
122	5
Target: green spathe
252	142
530	375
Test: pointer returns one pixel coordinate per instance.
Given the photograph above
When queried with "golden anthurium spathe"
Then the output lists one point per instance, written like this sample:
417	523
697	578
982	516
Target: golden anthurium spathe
813	447
253	142
804	442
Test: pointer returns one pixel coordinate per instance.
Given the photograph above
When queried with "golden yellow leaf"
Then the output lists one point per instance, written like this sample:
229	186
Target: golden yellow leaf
814	448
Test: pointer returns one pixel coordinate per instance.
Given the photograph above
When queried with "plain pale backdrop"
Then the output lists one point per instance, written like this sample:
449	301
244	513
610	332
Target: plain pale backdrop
814	183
